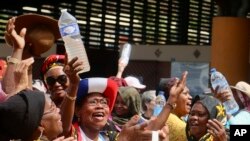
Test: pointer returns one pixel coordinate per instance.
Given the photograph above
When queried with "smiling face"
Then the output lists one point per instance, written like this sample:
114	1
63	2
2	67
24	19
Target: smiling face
94	112
57	90
51	120
197	120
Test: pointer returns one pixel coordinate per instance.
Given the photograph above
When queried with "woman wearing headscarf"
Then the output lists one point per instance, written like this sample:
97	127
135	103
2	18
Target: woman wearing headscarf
127	104
29	35
62	77
54	77
30	115
95	101
206	120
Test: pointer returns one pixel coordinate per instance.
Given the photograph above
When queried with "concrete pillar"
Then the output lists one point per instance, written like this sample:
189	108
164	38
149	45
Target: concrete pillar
230	47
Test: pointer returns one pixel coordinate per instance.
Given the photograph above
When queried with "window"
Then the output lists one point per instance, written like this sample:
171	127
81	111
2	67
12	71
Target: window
106	24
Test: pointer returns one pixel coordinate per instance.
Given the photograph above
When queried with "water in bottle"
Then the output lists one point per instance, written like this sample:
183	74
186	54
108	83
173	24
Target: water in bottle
125	54
218	80
72	38
160	102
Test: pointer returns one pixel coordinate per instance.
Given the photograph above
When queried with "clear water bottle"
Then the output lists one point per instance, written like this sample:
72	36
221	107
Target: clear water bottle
125	54
72	38
160	102
218	80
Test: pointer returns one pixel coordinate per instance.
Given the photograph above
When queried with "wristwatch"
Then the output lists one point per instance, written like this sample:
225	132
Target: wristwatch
172	105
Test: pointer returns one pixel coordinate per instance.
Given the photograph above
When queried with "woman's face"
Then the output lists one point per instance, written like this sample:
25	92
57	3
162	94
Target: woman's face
56	81
94	112
183	103
197	120
150	105
51	120
120	108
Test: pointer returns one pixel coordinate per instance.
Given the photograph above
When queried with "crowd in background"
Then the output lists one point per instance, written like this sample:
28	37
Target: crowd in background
63	106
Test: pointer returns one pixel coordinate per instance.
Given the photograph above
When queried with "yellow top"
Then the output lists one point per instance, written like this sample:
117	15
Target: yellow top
176	128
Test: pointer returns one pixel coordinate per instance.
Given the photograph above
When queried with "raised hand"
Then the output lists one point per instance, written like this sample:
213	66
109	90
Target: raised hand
12	38
223	95
21	74
177	88
217	130
72	69
132	131
121	68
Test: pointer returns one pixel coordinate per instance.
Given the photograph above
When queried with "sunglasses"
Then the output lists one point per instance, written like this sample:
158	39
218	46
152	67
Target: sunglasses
62	79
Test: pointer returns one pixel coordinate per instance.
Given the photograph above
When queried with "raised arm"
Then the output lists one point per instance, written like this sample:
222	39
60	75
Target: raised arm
17	41
68	104
121	68
175	91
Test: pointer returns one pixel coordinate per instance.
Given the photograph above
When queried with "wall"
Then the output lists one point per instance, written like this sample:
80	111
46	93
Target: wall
149	62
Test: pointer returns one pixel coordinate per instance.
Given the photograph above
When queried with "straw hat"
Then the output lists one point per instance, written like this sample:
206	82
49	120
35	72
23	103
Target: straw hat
242	87
42	31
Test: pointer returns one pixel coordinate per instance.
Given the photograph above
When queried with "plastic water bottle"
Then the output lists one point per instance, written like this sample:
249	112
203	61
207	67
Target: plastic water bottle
160	102
72	38
218	80
125	55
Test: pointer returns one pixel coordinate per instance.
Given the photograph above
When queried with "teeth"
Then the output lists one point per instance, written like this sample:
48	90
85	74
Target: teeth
98	114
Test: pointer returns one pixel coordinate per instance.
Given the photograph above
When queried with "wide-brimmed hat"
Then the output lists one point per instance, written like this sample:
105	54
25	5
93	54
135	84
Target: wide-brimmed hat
243	87
36	21
105	86
134	82
21	114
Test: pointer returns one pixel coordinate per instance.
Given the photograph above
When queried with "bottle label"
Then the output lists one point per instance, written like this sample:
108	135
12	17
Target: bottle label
69	30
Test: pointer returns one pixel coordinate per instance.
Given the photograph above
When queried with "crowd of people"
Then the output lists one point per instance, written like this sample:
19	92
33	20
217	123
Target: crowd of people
61	106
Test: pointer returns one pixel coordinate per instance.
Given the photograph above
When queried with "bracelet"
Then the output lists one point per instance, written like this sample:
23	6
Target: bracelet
72	98
172	105
12	60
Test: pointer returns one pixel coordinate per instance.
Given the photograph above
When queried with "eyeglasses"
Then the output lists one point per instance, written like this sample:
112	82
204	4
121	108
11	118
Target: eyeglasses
62	79
93	102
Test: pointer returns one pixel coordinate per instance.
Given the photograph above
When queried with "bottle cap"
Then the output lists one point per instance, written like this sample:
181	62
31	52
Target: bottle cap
63	10
212	69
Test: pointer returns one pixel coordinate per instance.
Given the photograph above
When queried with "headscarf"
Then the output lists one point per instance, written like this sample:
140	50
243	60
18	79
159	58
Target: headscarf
52	61
21	114
132	99
216	111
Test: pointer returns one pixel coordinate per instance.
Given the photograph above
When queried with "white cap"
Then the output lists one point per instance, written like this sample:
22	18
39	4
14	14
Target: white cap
134	82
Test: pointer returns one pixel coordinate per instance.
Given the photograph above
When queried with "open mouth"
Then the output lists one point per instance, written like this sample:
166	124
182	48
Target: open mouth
99	116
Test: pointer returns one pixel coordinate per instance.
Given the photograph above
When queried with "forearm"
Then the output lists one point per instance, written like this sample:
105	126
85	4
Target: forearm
9	79
68	108
161	119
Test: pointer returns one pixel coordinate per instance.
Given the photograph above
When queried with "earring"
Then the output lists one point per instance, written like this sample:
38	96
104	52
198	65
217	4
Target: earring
41	134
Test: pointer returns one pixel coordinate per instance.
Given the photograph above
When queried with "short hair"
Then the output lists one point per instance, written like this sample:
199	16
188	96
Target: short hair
146	97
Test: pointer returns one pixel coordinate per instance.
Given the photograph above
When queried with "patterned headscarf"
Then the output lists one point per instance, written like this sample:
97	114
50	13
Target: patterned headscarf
216	111
52	61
